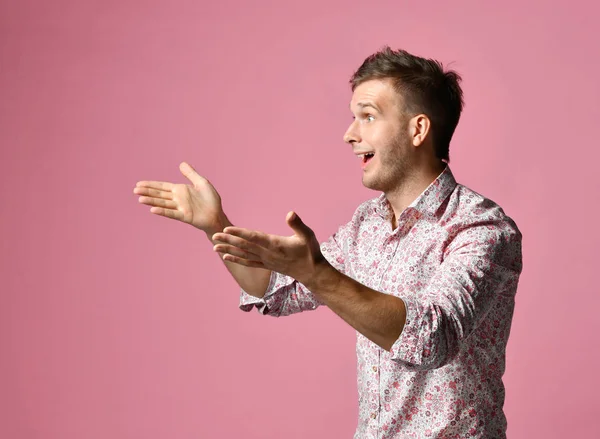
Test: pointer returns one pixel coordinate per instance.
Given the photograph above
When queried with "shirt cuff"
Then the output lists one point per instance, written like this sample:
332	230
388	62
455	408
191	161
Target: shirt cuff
270	300
406	349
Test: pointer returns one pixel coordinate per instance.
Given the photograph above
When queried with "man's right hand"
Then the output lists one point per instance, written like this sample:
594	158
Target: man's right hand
197	204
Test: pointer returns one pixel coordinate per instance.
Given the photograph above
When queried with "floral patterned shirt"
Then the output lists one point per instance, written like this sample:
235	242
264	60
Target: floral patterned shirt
454	259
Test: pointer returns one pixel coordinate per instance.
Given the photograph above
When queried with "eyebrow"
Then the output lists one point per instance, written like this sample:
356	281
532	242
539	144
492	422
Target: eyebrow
367	104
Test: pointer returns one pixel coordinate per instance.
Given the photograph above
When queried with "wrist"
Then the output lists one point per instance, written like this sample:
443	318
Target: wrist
217	226
325	278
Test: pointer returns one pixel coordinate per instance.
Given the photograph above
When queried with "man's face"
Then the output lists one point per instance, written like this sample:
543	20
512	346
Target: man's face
379	128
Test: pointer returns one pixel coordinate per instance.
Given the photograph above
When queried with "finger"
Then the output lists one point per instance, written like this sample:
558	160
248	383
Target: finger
169	213
240	243
158	202
297	225
242	261
156	193
232	250
262	239
190	173
162	185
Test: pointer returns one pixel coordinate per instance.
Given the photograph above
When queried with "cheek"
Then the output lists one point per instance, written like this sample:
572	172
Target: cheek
386	134
376	137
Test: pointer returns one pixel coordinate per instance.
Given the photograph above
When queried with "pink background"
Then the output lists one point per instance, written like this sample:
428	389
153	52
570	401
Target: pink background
115	323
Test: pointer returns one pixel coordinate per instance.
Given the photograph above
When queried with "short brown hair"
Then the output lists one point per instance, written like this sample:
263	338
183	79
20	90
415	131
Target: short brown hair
425	87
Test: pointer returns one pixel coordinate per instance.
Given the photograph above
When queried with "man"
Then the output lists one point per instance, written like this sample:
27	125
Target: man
426	272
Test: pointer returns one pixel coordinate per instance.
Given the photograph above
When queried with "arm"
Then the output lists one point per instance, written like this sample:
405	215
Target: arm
314	275
306	275
379	317
481	269
481	264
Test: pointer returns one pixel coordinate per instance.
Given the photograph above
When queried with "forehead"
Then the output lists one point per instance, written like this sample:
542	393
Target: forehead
378	91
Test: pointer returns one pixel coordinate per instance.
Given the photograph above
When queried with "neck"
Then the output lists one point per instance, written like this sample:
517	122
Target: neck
411	187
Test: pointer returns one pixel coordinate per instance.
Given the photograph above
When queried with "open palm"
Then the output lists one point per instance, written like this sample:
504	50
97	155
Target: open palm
197	204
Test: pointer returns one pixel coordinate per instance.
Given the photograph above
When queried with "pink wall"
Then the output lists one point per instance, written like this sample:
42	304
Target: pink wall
115	323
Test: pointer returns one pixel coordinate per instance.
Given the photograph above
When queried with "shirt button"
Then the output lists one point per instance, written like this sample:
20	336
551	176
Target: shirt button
373	415
374	368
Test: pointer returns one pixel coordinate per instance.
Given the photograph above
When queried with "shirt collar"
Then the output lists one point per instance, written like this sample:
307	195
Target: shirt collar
430	199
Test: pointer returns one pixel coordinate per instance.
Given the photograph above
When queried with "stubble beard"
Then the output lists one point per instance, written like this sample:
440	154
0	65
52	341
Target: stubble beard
391	172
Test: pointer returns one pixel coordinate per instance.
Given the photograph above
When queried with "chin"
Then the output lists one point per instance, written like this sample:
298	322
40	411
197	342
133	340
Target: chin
371	184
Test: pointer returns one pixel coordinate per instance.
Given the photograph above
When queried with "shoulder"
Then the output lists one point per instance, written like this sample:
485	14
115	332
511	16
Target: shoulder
477	224
467	208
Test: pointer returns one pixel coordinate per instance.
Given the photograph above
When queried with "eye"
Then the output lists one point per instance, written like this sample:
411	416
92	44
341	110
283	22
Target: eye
370	117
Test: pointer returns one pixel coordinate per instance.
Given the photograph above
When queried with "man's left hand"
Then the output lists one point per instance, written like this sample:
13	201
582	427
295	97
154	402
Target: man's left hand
298	256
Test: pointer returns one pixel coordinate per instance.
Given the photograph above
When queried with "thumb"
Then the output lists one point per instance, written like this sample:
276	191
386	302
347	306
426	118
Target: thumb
190	173
297	225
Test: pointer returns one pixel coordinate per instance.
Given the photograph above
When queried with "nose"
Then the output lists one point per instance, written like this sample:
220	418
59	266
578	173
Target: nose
352	136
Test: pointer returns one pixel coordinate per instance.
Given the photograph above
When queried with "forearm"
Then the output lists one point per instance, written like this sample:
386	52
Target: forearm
252	280
379	317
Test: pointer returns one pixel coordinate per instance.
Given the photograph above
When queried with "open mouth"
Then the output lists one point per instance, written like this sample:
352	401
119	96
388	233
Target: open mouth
366	157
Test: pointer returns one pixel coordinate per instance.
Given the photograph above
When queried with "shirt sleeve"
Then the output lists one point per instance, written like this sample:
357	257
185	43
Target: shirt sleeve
285	295
482	266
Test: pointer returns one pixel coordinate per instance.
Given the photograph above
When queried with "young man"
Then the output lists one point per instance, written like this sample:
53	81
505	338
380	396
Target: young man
426	272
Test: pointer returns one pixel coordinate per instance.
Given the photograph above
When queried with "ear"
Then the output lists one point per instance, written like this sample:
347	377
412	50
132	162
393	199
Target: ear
419	127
